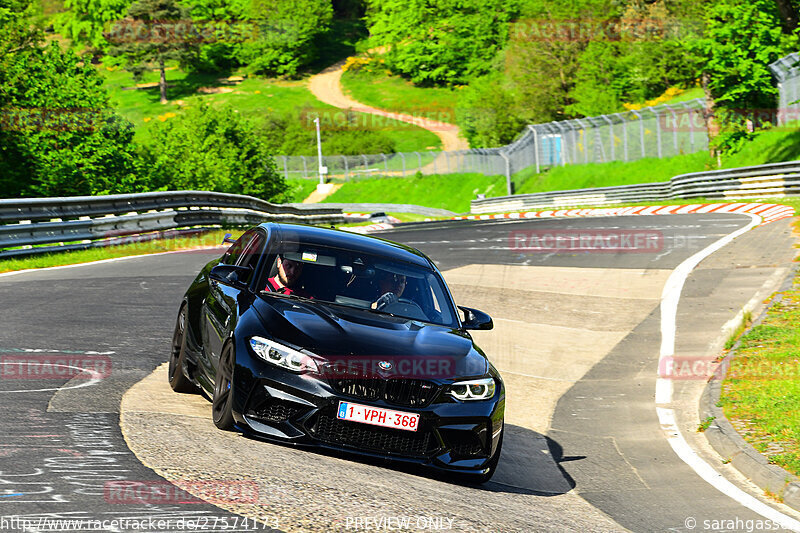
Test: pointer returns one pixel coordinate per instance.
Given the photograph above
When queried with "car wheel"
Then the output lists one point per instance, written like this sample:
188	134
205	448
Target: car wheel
483	478
222	401
177	359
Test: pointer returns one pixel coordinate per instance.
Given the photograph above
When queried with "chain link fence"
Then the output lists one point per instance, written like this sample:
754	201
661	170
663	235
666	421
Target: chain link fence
662	131
787	72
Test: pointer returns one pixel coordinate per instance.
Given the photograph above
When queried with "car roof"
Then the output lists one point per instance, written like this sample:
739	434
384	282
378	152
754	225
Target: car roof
336	238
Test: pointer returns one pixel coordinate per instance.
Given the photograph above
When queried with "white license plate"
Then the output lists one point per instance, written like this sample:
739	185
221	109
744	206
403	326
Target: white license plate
377	416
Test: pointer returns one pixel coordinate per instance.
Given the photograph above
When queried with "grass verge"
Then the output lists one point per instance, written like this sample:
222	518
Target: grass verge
392	93
209	238
451	191
761	393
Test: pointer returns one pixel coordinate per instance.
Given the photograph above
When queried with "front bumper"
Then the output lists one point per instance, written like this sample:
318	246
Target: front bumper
274	404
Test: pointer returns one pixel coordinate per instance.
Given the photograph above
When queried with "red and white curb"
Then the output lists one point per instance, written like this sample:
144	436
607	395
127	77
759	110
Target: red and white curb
767	212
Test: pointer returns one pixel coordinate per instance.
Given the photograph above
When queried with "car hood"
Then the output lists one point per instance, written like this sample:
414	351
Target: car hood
337	333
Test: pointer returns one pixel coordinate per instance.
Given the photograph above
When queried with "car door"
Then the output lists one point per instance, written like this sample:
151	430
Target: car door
220	307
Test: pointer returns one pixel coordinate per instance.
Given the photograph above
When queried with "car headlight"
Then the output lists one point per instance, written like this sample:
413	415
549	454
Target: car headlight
475	389
282	356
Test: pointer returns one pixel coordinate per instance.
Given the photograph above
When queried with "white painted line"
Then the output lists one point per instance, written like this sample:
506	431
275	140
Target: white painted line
14	273
666	416
94	380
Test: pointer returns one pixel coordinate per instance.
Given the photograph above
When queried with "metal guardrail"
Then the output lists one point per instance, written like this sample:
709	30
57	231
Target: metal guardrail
38	225
762	181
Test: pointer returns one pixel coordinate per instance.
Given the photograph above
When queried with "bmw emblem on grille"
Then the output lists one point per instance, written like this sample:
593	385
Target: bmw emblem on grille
385	365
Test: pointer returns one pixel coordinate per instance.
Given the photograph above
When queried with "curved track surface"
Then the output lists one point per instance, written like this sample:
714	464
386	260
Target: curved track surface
576	339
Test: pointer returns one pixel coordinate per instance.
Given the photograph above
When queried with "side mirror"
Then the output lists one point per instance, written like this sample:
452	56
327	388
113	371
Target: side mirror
227	239
233	275
474	319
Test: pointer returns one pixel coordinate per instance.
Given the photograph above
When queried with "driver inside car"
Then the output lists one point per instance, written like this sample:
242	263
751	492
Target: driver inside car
288	274
390	288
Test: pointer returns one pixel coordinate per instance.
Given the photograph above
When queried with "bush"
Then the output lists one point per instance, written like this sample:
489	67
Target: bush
211	149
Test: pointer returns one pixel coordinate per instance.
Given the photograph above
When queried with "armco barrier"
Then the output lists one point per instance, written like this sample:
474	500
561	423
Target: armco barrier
38	225
763	181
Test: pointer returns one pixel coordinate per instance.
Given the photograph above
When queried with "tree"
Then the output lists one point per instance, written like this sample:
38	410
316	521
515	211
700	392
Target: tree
741	38
87	21
153	33
284	35
211	149
57	134
443	42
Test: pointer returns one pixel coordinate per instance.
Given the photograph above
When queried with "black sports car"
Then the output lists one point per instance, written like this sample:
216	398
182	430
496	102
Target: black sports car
343	341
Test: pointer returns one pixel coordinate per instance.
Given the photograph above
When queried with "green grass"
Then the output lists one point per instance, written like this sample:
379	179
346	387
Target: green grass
209	238
253	97
299	189
647	170
761	393
393	93
452	191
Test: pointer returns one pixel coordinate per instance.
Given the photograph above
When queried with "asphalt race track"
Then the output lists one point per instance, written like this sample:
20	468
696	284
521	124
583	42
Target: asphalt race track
577	340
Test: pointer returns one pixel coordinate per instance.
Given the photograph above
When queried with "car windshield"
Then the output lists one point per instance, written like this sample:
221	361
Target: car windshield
360	280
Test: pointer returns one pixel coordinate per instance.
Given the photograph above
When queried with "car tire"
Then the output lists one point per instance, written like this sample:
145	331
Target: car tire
483	478
177	359
222	400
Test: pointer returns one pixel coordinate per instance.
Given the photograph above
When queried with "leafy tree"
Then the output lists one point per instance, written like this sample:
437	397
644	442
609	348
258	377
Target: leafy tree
211	149
441	42
284	35
487	113
87	21
741	38
57	133
152	34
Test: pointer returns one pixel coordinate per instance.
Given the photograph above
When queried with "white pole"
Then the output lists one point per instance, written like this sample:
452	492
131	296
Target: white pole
319	151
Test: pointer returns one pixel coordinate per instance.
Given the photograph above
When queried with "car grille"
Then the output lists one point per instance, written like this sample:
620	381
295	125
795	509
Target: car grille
331	430
405	392
272	410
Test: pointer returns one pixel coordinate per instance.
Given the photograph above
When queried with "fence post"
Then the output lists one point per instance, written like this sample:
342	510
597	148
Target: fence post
434	163
658	130
447	161
535	147
305	168
624	135
419	160
690	115
385	164
403	157
641	131
366	164
285	167
611	135
674	128
585	140
346	170
508	173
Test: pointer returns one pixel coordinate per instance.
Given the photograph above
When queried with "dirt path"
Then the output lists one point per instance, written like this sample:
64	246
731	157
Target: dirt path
326	86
